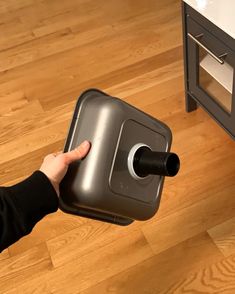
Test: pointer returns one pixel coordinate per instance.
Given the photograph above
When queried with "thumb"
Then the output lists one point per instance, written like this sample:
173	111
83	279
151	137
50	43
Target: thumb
78	153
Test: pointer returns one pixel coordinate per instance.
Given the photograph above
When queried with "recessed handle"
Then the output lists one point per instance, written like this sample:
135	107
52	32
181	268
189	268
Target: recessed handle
217	58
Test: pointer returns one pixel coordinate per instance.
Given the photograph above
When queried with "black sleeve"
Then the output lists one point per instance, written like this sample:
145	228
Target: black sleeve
23	205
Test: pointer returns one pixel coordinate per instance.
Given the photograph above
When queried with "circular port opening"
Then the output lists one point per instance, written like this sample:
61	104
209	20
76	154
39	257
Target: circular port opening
172	164
133	156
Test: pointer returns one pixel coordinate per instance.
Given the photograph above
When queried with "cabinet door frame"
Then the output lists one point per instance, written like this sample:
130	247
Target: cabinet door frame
210	40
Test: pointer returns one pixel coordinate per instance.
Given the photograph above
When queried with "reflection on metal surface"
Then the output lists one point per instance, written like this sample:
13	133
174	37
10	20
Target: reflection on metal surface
102	120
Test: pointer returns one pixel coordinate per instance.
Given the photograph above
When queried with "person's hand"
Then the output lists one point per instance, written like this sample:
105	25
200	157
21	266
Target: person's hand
55	165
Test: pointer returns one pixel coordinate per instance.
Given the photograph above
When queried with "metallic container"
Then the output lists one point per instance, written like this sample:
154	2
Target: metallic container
121	179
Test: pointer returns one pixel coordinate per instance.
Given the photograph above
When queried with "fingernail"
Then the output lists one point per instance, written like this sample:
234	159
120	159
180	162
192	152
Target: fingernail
85	144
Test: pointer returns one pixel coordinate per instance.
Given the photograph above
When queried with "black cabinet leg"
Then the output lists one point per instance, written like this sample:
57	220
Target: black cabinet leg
191	104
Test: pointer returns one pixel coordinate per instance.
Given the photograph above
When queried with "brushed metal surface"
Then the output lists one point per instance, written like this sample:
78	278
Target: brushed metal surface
101	182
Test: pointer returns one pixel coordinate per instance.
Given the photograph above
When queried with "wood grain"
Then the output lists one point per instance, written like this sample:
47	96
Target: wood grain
217	278
91	268
50	52
224	236
24	266
4	254
158	272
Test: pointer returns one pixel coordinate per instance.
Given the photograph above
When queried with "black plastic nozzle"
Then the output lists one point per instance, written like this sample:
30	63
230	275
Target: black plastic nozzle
148	162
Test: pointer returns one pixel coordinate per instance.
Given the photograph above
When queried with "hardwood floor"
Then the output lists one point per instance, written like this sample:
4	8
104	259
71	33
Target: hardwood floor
50	51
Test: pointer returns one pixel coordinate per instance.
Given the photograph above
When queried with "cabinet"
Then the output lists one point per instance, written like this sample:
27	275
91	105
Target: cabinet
209	62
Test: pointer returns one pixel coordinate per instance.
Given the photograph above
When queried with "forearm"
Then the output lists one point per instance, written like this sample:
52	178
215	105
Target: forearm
23	205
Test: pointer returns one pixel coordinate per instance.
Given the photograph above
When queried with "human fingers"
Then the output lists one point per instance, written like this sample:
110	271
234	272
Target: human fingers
77	153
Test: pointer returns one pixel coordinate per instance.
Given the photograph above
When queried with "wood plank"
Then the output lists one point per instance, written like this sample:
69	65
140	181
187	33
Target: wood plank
11	5
21	121
14	32
24	165
4	254
85	15
197	155
70	80
66	39
218	278
88	237
156	273
92	268
158	76
32	141
50	227
224	236
25	265
50	52
15	101
190	221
